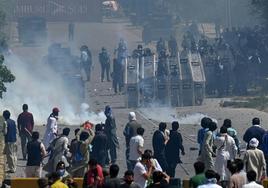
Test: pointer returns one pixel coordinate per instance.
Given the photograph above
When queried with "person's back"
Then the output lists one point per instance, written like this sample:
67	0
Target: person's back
199	178
255	131
254	160
251	176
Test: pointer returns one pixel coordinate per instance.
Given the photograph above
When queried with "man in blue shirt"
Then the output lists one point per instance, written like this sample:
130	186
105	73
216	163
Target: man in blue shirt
10	133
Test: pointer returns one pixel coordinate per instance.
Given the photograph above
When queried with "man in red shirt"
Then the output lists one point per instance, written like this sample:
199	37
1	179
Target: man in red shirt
94	176
25	126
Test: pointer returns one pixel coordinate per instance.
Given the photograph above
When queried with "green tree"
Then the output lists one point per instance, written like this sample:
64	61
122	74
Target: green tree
5	76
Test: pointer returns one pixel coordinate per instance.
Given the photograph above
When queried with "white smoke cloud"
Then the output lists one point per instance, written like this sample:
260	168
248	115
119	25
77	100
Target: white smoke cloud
170	114
42	89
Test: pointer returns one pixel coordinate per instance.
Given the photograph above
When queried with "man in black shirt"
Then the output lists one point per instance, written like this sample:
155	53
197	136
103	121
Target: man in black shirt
36	152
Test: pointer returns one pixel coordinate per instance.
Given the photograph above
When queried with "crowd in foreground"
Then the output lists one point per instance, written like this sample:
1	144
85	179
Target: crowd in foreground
92	154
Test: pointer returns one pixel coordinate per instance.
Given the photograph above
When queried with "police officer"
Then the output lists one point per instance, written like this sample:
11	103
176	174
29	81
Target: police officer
86	61
104	59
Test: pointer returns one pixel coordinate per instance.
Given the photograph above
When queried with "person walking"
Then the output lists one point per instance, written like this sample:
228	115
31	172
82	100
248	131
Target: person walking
255	131
207	152
110	131
173	148
136	147
117	75
130	131
104	59
51	127
99	145
25	124
36	152
159	144
10	150
82	154
226	150
254	159
58	149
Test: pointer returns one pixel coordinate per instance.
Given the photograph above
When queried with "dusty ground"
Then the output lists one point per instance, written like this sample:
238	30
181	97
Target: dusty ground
108	34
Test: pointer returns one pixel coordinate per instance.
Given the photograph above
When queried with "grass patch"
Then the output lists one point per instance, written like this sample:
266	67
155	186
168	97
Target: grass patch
260	103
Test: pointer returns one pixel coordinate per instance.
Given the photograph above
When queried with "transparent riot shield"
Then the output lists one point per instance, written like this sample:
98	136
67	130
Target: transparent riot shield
175	81
132	83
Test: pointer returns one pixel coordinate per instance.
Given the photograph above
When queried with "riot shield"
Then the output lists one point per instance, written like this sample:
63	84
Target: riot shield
175	81
198	76
187	92
147	84
132	83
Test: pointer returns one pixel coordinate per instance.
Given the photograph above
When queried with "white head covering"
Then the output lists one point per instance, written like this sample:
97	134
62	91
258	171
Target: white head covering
254	142
131	116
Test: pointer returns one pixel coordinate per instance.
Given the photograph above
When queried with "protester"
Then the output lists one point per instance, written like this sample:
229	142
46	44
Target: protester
55	181
74	143
160	180
199	178
61	169
207	152
25	123
94	175
254	160
201	132
155	163
237	180
10	150
136	147
173	148
130	131
113	181
99	145
51	127
159	144
36	152
251	175
110	131
129	180
255	131
58	149
42	183
232	132
226	150
211	180
82	154
143	170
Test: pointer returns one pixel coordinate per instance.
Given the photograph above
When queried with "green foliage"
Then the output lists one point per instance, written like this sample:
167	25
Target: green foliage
5	76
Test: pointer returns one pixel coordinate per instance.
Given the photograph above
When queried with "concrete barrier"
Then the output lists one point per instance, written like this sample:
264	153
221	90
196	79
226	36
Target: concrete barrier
32	182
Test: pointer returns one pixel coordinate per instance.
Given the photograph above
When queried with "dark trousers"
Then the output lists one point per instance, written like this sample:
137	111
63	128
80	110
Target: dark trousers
128	162
25	138
117	84
113	154
105	68
171	169
161	158
266	160
101	158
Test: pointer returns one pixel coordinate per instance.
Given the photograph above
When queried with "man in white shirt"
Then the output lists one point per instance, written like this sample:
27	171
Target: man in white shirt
143	170
136	147
251	175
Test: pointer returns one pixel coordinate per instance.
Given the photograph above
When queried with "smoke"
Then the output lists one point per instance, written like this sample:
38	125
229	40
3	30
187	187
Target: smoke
170	114
42	89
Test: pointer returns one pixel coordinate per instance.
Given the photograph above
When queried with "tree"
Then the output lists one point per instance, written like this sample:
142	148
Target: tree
5	76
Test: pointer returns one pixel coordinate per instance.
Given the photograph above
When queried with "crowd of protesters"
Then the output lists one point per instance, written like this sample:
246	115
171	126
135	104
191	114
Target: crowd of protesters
220	162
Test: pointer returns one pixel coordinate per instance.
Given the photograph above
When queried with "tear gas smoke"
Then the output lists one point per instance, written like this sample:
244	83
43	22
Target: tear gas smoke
168	115
42	89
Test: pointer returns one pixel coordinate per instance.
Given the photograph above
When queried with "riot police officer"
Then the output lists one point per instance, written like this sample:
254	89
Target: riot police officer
173	46
104	59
